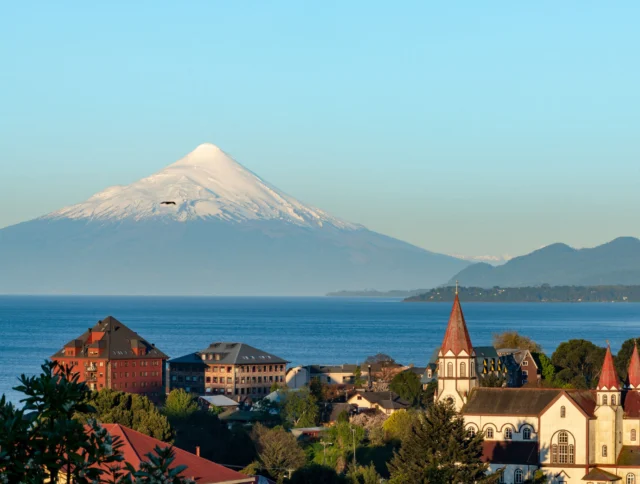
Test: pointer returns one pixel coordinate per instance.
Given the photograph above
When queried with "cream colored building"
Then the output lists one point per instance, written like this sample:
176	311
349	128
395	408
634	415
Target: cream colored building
572	436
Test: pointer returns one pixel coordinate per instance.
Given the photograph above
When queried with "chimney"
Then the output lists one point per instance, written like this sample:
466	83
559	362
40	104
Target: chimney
369	372
198	450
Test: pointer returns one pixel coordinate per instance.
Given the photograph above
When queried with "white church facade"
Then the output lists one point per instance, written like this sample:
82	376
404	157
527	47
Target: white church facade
572	436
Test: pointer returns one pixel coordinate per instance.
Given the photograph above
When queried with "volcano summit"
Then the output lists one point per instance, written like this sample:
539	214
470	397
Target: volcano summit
206	225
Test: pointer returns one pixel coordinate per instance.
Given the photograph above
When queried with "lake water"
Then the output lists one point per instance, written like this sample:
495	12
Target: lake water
301	330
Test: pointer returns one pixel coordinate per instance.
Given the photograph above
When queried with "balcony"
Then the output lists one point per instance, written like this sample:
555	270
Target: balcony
91	367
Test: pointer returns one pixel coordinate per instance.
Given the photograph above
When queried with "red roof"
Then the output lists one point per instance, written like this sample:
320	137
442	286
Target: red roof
510	452
634	368
608	376
456	338
136	446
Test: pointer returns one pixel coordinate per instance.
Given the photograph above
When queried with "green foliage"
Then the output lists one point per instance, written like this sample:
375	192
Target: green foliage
492	380
623	357
578	363
275	386
300	408
343	417
439	450
157	469
344	435
547	369
364	475
408	387
180	404
513	339
429	393
538	478
134	411
278	450
213	410
358	381
379	358
398	426
316	474
373	426
316	389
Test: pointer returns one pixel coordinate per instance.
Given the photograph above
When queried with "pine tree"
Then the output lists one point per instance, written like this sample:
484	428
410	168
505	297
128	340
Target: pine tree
440	450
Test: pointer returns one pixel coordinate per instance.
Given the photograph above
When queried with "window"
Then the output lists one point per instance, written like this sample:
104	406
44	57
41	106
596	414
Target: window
604	399
604	451
631	479
518	476
525	363
633	435
525	373
471	432
449	370
489	433
463	370
563	411
508	434
526	433
562	452
501	476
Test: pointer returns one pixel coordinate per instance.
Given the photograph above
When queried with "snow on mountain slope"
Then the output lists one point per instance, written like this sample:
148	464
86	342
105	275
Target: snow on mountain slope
205	184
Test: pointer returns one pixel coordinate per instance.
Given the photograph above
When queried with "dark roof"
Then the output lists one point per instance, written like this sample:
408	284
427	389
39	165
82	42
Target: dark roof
338	408
323	369
115	338
418	370
597	474
509	401
585	399
485	352
387	400
510	452
632	404
231	354
629	456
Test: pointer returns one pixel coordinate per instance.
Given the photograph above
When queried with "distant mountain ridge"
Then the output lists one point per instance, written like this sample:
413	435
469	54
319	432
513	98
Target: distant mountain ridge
205	225
614	263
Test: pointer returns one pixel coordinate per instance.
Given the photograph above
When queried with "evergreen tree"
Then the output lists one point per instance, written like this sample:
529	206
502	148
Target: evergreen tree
278	451
180	404
407	386
316	474
439	450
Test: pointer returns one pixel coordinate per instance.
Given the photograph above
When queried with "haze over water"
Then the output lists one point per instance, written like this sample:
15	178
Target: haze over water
301	330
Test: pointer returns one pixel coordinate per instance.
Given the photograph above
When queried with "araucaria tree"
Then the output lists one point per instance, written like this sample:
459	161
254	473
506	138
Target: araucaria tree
439	450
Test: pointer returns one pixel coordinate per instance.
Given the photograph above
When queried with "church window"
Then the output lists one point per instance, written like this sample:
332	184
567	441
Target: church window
633	435
613	399
449	370
463	370
554	454
489	433
501	476
471	431
562	452
604	399
526	433
472	370
572	454
631	479
563	411
518	476
508	434
604	451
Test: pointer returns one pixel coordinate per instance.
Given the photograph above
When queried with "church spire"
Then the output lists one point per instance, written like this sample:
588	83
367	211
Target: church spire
456	339
634	368
608	377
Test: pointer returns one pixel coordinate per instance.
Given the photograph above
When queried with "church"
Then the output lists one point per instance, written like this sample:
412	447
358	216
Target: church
585	436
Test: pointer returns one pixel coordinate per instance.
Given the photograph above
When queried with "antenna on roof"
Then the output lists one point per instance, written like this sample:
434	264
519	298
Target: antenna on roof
456	287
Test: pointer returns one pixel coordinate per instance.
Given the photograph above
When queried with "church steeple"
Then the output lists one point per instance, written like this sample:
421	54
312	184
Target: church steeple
633	379
456	338
609	384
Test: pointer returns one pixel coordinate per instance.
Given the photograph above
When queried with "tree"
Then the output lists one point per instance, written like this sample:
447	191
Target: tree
579	362
134	411
364	475
492	380
547	369
440	450
317	389
398	426
513	339
407	385
316	474
358	381
373	425
624	356
379	358
278	450
300	408
157	470
180	404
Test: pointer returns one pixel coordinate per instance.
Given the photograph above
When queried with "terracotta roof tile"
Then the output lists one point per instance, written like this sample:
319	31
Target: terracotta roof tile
456	338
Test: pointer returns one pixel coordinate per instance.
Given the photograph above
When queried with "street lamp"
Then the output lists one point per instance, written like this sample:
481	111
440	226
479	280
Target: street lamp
353	429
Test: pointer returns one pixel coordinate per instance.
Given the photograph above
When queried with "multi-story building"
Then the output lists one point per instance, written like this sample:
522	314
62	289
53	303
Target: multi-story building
233	369
110	355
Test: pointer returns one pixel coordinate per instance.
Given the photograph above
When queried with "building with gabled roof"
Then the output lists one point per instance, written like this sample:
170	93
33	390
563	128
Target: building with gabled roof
111	355
236	370
572	436
387	402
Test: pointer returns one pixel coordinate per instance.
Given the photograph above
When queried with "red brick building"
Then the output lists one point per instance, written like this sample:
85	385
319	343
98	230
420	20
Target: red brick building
110	355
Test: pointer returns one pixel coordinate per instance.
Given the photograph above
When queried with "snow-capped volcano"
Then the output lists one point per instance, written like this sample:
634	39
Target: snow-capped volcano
206	183
206	225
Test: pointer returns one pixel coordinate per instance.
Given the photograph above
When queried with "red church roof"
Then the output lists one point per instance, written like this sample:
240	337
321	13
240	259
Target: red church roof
456	338
136	446
608	376
634	368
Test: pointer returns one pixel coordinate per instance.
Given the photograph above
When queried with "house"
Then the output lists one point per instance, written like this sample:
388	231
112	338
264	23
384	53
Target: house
528	366
387	402
136	446
333	374
572	436
236	370
110	355
219	401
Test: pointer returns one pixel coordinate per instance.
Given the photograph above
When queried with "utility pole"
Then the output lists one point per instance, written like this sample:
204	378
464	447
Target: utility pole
324	455
353	429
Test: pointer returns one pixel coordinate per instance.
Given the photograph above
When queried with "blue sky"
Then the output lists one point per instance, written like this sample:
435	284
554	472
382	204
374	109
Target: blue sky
463	127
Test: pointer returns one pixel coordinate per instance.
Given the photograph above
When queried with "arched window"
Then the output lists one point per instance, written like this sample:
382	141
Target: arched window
631	479
563	411
490	433
604	451
449	370
463	370
613	399
633	435
471	432
604	399
526	433
508	435
501	476
562	452
518	477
